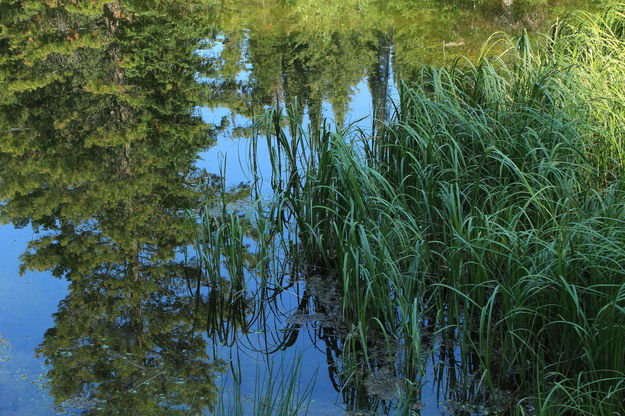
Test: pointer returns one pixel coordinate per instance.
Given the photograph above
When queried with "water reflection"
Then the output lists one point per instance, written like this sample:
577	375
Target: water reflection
126	346
318	52
100	138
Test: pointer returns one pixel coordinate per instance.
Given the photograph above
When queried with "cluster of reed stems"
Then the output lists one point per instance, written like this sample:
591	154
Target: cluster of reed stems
486	219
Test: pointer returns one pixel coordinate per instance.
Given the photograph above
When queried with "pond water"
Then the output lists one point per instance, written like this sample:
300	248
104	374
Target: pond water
122	123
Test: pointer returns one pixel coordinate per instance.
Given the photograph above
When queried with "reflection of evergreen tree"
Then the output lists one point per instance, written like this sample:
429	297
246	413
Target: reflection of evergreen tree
129	347
312	67
319	50
104	149
99	141
379	81
108	124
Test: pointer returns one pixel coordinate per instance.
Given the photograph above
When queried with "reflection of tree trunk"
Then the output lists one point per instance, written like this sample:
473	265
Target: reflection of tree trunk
134	262
290	88
338	99
112	19
113	9
379	79
123	114
118	77
315	113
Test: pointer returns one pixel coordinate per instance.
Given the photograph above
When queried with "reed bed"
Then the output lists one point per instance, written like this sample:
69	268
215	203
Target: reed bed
484	225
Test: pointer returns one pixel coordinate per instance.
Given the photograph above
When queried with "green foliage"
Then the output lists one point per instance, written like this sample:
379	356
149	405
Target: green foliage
99	137
105	149
124	346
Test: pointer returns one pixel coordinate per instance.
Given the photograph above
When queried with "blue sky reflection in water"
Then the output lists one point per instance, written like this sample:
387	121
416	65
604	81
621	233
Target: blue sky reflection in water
25	314
114	130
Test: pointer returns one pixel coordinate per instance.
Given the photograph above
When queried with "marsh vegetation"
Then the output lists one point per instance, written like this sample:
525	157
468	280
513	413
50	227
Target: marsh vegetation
479	232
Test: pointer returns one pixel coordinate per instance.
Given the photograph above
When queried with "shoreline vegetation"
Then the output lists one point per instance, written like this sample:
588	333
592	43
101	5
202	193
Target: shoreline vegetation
479	235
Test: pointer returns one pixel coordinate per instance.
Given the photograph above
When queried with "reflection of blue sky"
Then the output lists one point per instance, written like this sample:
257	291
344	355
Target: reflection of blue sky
235	151
26	307
217	47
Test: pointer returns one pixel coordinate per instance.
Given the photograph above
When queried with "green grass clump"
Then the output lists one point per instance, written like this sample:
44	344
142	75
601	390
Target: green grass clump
489	214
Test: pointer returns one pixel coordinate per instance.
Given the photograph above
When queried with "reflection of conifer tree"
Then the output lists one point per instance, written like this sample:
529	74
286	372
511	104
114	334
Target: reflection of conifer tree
106	146
100	137
379	81
308	66
129	346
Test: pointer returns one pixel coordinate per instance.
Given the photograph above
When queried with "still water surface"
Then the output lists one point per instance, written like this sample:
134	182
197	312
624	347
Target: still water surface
120	121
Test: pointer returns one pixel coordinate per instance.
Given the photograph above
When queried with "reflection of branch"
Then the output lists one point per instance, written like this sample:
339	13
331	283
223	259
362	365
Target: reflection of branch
148	380
292	333
123	357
